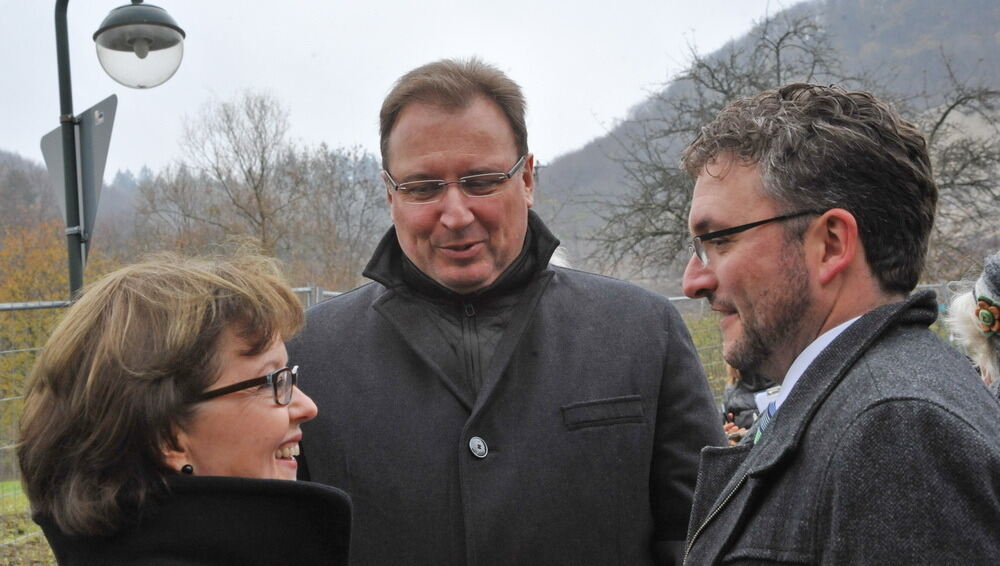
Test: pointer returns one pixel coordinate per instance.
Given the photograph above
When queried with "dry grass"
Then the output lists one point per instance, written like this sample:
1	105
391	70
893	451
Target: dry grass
23	542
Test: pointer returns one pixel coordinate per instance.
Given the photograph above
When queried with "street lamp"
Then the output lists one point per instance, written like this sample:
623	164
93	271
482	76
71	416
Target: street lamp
140	46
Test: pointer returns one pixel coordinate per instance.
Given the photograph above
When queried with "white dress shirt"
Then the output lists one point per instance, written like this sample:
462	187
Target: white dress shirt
805	358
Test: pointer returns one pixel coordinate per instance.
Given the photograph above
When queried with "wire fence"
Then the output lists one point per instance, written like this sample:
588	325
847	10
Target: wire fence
701	321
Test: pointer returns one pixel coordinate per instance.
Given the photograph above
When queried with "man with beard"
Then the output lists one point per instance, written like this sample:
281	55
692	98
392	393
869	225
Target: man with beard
811	214
482	406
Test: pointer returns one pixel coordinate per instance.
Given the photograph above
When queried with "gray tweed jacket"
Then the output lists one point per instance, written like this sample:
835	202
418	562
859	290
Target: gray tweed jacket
886	452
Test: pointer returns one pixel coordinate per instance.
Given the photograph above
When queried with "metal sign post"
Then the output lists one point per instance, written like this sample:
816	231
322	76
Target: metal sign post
91	140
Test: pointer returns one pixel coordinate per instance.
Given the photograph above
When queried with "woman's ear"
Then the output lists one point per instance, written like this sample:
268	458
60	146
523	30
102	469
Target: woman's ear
176	457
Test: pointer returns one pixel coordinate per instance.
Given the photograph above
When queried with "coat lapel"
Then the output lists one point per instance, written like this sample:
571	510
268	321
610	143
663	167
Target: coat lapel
408	317
410	320
524	311
718	473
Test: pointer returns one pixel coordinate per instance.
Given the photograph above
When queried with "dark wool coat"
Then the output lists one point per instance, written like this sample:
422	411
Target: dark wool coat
221	521
580	448
887	451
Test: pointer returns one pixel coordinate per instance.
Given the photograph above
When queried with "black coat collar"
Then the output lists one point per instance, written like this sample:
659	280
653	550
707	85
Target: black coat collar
518	288
222	520
390	267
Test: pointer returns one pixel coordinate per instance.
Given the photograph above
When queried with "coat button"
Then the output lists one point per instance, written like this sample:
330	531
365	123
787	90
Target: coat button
478	447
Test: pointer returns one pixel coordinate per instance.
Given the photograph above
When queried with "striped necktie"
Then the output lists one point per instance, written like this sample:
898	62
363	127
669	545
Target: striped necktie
765	419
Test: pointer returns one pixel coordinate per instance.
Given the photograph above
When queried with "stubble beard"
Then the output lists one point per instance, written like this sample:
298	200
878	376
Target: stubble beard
772	322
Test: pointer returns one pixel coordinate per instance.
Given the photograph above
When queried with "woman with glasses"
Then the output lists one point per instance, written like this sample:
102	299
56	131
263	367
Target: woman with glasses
160	414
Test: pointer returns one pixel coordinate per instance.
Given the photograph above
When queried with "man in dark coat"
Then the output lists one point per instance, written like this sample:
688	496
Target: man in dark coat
811	212
481	406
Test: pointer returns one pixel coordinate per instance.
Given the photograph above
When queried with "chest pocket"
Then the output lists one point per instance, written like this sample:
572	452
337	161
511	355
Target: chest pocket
603	412
772	557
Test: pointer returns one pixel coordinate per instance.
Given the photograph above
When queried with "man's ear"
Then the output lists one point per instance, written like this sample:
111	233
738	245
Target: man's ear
388	187
528	175
389	194
836	243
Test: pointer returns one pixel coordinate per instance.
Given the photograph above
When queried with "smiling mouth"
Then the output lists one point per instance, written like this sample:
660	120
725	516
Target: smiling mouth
287	452
721	307
461	248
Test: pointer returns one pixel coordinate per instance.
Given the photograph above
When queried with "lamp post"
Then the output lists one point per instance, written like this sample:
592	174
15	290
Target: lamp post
138	45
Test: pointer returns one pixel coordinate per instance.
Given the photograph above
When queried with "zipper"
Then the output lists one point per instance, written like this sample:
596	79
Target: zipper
470	343
711	516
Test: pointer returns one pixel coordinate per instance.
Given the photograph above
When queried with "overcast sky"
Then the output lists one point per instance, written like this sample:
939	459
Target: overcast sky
582	64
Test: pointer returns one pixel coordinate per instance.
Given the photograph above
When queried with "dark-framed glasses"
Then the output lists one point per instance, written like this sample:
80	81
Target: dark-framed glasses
697	244
427	191
282	382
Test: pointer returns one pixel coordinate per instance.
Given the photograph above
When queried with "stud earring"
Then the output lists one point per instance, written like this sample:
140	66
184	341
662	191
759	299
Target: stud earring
187	469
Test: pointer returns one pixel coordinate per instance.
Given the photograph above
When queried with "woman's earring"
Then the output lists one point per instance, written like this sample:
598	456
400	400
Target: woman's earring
187	469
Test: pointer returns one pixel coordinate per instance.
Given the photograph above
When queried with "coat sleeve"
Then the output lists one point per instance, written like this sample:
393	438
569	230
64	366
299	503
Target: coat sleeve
686	421
910	482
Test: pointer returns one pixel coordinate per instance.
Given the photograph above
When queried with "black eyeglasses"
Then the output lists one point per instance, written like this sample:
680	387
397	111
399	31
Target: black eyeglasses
282	381
697	246
427	191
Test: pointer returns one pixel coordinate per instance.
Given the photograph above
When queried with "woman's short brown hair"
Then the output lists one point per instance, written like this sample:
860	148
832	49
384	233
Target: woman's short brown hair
120	374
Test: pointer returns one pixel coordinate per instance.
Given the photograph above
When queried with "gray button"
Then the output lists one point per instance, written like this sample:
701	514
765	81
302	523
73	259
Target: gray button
478	447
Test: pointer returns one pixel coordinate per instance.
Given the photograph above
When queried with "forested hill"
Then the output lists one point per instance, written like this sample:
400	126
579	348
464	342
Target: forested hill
911	51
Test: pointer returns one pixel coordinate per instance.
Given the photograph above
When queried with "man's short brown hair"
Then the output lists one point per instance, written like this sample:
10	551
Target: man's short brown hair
822	147
454	84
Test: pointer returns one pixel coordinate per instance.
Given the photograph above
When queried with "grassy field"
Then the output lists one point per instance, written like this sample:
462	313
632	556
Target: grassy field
704	329
21	540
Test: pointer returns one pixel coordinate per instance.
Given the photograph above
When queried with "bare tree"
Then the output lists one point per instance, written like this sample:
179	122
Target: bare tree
176	211
26	195
346	215
962	125
647	230
321	210
240	148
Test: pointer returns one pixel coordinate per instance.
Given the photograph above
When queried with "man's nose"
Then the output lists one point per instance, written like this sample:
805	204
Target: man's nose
455	211
699	280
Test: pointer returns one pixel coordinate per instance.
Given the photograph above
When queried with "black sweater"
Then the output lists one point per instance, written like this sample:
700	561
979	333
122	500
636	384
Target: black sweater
222	520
